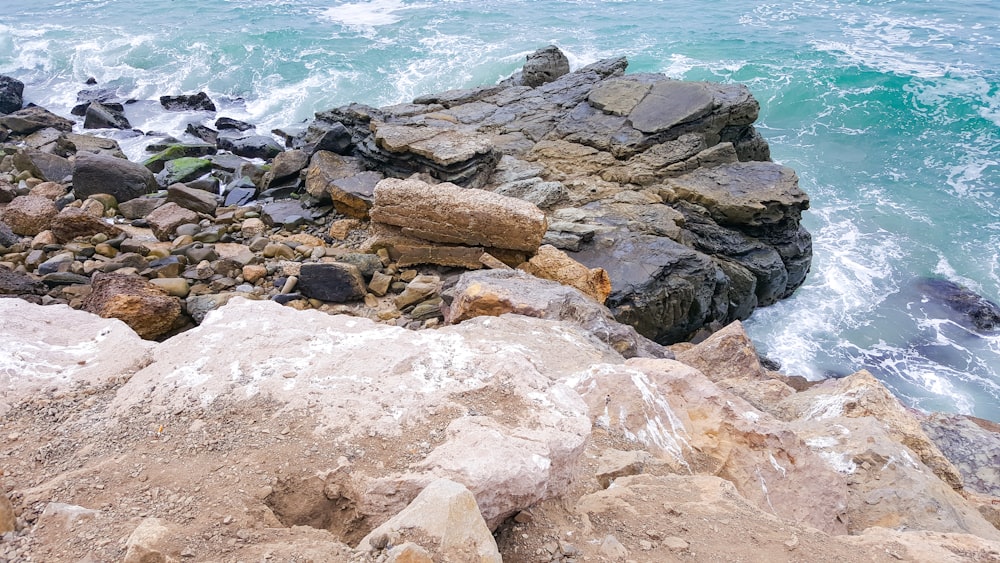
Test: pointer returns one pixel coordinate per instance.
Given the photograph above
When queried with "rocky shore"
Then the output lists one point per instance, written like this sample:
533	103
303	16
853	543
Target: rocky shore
206	354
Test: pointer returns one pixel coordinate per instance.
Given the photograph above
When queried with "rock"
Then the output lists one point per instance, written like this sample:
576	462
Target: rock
445	519
95	145
34	118
7	236
664	289
175	287
43	165
198	306
551	263
74	222
325	167
613	549
8	521
203	133
419	289
615	463
158	161
324	136
105	116
496	292
544	66
228	123
334	282
11	94
198	201
146	544
445	213
353	196
458	156
125	180
250	146
285	165
973	447
860	395
183	169
973	309
13	282
28	215
149	311
287	213
367	264
165	219
50	190
192	102
670	103
139	207
678	415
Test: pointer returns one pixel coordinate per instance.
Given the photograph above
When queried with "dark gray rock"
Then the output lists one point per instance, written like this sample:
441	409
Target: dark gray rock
367	264
11	94
662	288
125	180
105	116
544	66
323	136
228	123
671	103
973	309
286	164
972	445
31	119
240	195
206	134
7	236
43	165
139	207
288	212
251	146
15	283
192	102
196	200
335	282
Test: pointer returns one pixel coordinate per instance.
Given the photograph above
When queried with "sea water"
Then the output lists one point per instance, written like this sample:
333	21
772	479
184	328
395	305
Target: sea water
888	110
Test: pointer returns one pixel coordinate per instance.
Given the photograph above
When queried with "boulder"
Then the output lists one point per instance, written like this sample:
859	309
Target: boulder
105	116
101	174
324	136
13	282
189	102
228	123
146	543
336	282
139	207
250	146
354	196
183	169
445	213
158	161
497	292
7	236
196	200
28	215
165	219
34	118
550	263
285	165
74	222
544	66
445	520
325	167
149	311
43	165
11	94
460	156
973	309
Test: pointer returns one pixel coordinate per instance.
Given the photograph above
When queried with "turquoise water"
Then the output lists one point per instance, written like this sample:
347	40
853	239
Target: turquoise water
888	110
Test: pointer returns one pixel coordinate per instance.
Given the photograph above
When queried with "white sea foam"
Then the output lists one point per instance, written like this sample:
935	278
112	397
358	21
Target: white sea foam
366	15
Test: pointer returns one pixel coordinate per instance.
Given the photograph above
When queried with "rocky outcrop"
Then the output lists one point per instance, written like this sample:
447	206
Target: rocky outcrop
11	94
100	174
29	214
149	311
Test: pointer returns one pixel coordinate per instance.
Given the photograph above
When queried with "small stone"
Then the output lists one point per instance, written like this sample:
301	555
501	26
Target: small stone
252	227
342	228
380	284
675	544
253	272
279	250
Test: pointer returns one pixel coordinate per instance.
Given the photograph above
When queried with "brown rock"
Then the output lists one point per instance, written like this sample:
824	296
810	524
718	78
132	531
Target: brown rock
284	165
165	219
50	190
446	213
353	196
341	228
144	307
146	543
550	263
74	222
324	168
29	215
8	521
196	200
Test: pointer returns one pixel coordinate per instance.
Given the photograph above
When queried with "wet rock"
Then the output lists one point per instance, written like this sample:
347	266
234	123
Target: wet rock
183	169
250	146
285	165
140	206
334	282
158	161
74	222
13	282
149	311
31	119
354	196
324	136
196	200
497	292
191	102
974	310
445	519
29	215
125	180
165	219
105	116
228	123
11	94
544	66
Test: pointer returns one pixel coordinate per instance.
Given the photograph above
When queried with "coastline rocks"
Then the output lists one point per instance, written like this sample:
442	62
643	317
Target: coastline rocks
544	66
250	146
334	282
972	445
165	219
43	165
101	174
975	310
30	119
551	263
28	215
191	102
105	116
74	222
11	94
149	311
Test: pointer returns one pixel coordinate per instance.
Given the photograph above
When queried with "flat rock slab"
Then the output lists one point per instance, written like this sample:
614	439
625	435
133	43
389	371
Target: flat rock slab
744	193
618	96
671	103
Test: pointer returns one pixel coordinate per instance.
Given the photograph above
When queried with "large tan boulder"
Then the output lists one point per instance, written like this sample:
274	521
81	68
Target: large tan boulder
445	520
28	215
447	214
74	222
146	543
550	263
147	309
